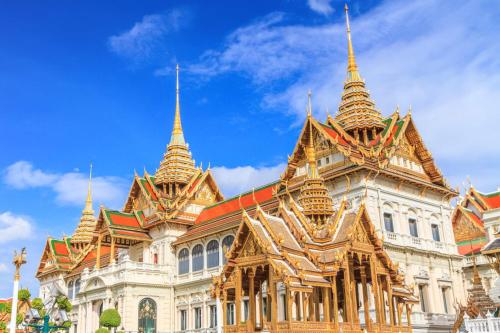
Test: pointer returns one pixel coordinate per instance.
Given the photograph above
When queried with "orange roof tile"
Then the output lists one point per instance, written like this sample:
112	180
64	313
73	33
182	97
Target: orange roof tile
234	204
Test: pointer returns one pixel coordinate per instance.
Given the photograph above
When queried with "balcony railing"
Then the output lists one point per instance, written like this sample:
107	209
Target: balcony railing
489	324
419	243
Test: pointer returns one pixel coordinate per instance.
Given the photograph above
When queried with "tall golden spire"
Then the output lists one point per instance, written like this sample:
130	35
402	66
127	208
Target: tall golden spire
85	230
357	113
352	67
177	133
177	166
314	197
88	201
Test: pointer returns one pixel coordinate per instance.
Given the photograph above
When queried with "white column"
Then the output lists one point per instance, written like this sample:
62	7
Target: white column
218	306
14	306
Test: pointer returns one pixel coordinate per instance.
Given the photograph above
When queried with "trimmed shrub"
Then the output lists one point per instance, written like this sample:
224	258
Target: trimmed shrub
110	318
102	330
37	303
19	318
63	303
24	295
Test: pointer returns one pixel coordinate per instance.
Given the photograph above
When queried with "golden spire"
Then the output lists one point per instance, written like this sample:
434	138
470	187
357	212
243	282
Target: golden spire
88	201
85	230
177	133
310	150
352	68
314	197
357	112
177	166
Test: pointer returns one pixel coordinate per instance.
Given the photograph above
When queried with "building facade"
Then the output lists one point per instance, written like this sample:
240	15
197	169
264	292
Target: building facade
157	260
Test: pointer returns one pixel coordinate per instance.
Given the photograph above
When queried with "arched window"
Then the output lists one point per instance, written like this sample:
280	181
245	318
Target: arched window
71	290
226	245
183	261
197	255
147	316
77	287
213	254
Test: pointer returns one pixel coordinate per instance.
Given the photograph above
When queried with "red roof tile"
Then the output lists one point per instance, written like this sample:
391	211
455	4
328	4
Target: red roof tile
492	199
123	219
246	200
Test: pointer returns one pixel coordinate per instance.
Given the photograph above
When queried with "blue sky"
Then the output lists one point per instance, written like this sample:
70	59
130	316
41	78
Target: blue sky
93	81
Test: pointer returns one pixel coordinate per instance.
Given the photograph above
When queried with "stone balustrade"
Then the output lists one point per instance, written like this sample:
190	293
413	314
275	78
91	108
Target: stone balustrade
418	243
489	324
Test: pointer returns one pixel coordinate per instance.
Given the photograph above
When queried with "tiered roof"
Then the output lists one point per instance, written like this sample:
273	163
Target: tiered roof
357	112
177	166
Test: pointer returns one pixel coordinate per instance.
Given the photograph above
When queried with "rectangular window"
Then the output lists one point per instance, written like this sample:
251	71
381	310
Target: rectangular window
230	314
319	163
213	316
445	300
264	305
183	320
155	258
197	317
421	294
435	233
283	301
328	160
413	227
245	309
389	226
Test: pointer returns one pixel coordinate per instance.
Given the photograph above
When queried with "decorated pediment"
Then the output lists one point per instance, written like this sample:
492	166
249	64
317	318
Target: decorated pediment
466	226
250	248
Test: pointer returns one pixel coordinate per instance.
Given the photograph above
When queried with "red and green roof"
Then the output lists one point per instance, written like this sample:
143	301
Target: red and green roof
492	200
120	219
471	246
245	200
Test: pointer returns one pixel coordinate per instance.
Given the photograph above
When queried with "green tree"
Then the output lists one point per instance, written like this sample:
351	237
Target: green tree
110	318
24	295
8	307
37	303
19	318
63	303
3	326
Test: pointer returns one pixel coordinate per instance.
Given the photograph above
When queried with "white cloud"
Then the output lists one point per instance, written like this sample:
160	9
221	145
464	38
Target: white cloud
240	179
3	267
438	57
14	227
70	188
140	41
21	175
321	6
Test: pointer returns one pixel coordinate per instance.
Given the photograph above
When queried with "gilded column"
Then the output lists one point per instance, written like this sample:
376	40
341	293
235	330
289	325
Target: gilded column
237	296
251	295
365	297
326	304
347	295
390	300
335	301
354	304
375	288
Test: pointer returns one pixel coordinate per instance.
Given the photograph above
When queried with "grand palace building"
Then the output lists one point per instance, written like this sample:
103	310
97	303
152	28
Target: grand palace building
356	234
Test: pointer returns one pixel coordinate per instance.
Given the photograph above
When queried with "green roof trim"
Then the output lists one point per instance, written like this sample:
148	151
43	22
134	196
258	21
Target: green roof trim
116	212
473	241
490	195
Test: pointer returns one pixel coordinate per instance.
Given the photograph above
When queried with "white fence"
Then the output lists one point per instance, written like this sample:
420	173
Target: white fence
489	324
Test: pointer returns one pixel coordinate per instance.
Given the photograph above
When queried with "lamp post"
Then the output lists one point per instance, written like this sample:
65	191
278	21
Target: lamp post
18	261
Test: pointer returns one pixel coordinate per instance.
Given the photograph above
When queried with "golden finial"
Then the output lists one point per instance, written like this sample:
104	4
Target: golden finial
177	133
409	110
88	201
309	104
352	68
310	151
